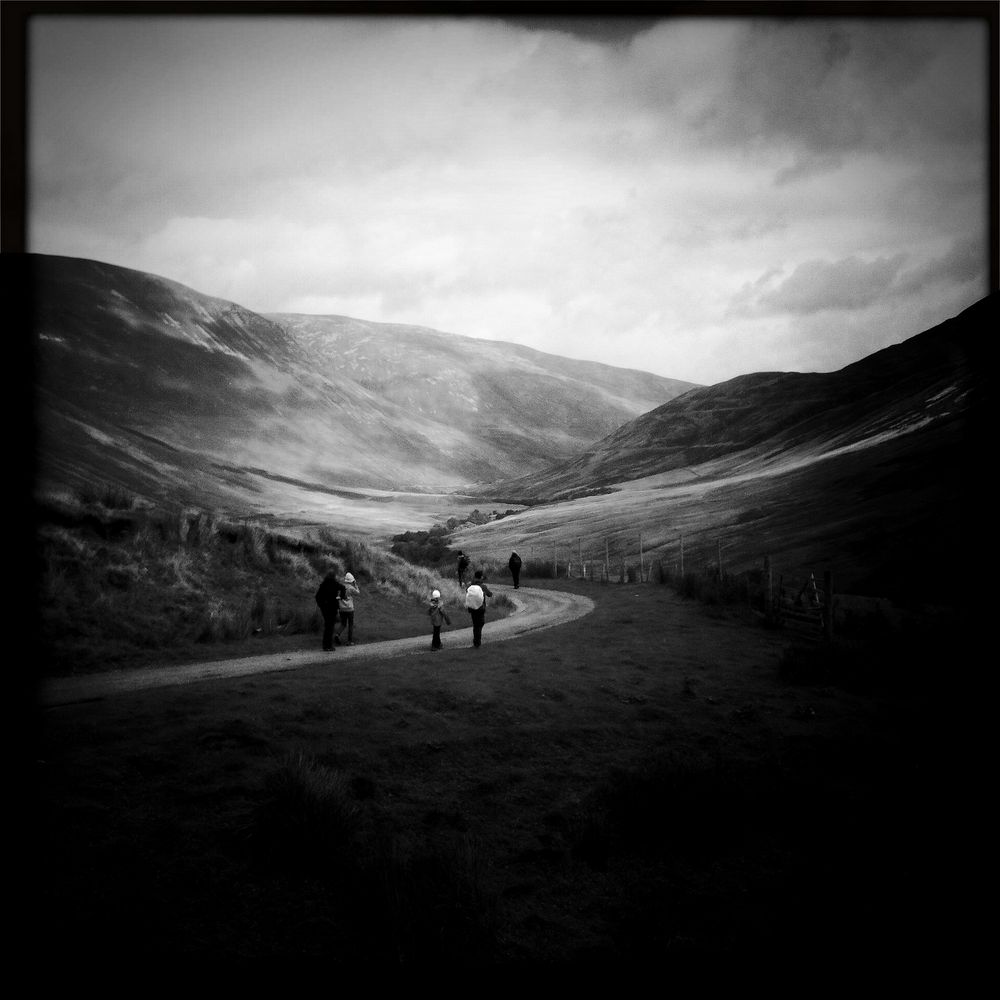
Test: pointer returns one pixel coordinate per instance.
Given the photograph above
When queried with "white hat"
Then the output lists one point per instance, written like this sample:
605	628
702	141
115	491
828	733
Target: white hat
349	578
435	593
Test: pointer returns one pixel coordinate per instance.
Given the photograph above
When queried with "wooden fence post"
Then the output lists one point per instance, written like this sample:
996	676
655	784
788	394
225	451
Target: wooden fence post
641	570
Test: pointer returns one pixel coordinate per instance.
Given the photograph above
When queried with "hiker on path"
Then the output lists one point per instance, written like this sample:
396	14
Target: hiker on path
514	564
346	609
327	598
437	616
475	602
463	565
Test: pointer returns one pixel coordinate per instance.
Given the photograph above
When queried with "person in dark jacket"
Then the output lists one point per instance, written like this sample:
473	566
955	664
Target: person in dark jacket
331	590
463	565
514	564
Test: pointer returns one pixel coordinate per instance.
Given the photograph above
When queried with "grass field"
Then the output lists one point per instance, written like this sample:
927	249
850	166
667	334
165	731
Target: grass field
660	781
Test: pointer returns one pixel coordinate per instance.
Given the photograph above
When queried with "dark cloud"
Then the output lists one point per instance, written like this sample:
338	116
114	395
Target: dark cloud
608	29
817	285
966	261
831	87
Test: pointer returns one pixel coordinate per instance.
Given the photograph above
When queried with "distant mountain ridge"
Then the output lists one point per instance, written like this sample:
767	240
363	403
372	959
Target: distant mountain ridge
169	392
748	423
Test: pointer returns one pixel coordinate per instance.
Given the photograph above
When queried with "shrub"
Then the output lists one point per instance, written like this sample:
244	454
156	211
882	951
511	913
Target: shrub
432	904
107	495
307	820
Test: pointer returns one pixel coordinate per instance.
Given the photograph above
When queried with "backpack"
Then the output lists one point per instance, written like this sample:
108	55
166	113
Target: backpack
474	598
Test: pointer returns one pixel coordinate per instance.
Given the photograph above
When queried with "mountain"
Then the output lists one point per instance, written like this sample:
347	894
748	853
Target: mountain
529	408
756	423
876	471
157	388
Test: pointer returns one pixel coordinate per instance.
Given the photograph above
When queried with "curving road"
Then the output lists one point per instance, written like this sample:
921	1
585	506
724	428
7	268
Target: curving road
534	610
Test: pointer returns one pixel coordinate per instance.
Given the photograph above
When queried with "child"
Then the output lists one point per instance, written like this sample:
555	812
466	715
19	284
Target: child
346	606
437	615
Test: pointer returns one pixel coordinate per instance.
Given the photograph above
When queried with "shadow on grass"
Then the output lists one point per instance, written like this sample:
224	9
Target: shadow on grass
389	898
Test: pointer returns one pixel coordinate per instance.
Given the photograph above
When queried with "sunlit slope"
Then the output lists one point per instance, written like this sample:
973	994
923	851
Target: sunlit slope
153	386
757	422
528	407
875	472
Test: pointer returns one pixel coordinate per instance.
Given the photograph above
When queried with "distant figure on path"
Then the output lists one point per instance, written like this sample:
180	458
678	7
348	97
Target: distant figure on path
327	598
437	616
514	563
463	565
475	602
346	607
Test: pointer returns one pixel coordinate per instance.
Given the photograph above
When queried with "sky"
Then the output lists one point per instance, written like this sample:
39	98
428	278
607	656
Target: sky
695	197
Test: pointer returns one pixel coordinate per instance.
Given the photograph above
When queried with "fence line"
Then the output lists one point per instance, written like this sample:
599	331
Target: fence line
809	609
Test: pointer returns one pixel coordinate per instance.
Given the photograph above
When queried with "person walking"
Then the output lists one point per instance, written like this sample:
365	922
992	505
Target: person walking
437	616
463	565
327	599
346	609
514	565
475	602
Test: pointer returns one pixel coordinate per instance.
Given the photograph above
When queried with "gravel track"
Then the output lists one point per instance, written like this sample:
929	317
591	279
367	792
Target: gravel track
534	610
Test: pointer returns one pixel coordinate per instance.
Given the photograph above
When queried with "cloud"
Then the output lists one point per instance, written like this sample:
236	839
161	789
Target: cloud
965	262
855	283
816	285
833	86
673	195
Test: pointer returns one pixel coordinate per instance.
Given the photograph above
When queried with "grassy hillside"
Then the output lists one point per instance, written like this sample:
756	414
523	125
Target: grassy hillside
183	397
123	585
752	422
875	473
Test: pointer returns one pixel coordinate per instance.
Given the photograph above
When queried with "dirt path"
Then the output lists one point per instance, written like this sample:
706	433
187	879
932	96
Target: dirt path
535	610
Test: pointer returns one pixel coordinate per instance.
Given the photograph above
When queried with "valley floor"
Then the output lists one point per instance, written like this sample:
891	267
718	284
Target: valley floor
535	609
641	784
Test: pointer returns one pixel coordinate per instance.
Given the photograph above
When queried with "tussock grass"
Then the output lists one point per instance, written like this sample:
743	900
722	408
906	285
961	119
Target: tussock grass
412	901
434	904
308	819
121	585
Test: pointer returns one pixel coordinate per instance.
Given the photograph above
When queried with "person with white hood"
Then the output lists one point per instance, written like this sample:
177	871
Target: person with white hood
438	616
346	605
475	604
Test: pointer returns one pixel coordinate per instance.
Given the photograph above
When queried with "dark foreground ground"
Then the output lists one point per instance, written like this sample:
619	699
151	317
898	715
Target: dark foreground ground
657	782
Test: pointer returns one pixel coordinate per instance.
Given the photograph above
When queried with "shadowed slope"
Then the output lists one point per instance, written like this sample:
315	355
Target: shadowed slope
875	472
753	422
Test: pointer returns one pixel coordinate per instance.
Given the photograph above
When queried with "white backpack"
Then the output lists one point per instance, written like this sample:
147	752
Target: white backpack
474	598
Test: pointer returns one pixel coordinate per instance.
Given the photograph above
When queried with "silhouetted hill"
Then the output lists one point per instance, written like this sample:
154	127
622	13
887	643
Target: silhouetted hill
755	422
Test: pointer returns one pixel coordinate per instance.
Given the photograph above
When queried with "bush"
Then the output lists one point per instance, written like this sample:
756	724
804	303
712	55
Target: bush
432	904
308	819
